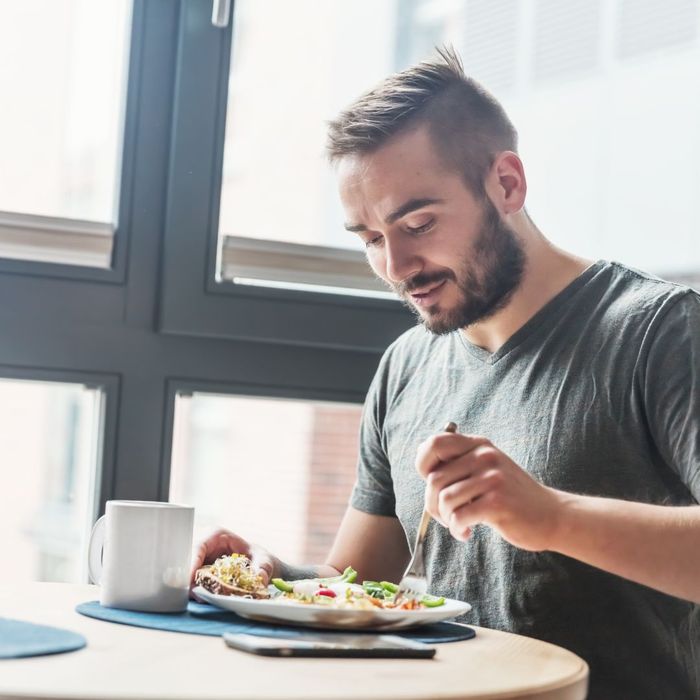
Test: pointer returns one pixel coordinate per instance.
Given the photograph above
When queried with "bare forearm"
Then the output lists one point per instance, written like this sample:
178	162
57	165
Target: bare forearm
374	545
658	546
288	572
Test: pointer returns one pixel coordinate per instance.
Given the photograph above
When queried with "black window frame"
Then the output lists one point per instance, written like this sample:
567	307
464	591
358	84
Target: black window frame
198	304
156	323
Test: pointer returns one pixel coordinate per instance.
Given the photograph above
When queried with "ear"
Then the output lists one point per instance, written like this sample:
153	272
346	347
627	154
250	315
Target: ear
506	184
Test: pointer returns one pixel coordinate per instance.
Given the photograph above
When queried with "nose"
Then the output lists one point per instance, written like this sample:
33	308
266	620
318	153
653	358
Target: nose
401	261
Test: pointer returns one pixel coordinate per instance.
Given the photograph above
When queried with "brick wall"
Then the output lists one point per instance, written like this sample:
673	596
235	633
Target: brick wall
333	461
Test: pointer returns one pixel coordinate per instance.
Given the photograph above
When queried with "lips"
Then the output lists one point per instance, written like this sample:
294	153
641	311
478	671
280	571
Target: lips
429	295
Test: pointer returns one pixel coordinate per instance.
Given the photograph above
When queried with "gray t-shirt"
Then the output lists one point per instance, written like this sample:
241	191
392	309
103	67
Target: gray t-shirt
598	393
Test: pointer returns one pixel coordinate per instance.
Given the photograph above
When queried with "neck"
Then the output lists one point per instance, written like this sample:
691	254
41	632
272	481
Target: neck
548	270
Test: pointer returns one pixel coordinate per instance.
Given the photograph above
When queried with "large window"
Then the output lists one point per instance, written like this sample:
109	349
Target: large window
600	92
62	78
276	183
50	438
278	472
206	289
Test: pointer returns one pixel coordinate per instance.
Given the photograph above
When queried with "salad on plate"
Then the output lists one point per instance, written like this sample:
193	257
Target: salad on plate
234	575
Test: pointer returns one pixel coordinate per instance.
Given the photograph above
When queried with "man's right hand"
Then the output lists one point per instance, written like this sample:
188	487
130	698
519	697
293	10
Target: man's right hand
222	543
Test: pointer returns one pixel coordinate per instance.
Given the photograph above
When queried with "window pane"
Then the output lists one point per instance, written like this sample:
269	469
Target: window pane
62	79
276	182
608	124
602	94
49	434
278	472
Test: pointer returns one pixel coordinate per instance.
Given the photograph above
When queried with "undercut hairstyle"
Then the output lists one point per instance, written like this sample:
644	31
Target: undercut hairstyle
468	126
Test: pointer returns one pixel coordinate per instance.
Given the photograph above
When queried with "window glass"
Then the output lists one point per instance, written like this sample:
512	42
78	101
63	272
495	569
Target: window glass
62	80
49	433
602	94
599	92
284	85
278	472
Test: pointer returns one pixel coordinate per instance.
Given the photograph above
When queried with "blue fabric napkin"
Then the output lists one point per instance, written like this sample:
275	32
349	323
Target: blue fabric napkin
19	639
209	620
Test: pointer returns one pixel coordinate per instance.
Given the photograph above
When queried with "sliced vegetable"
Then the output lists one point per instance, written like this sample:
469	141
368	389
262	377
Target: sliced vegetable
431	601
349	575
374	589
343	586
323	600
282	585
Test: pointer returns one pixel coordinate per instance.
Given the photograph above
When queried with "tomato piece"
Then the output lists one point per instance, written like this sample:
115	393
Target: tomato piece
327	592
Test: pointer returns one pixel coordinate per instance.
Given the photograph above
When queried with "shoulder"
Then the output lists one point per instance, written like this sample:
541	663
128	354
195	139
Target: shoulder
412	356
634	296
645	286
649	319
414	348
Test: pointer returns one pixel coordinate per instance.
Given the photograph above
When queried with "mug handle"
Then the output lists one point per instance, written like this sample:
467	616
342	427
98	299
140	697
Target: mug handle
95	546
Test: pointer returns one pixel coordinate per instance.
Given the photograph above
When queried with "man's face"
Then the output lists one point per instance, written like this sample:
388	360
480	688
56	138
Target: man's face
447	254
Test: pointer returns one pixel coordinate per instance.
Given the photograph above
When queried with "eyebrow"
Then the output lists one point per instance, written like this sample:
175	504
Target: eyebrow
394	216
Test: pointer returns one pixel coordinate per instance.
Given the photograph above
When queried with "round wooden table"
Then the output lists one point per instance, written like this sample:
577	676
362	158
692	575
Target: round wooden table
122	662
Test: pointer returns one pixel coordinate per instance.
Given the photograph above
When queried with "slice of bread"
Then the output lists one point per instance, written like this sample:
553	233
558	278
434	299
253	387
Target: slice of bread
207	579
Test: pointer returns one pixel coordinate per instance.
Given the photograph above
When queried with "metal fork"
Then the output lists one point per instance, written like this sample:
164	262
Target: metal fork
414	583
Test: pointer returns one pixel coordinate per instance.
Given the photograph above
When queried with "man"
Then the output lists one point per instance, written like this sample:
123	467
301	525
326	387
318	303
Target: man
567	504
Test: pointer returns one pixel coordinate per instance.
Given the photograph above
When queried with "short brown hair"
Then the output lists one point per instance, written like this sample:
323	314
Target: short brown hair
468	125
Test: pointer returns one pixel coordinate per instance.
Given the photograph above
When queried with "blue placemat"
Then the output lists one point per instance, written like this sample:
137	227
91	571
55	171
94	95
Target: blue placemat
18	639
207	619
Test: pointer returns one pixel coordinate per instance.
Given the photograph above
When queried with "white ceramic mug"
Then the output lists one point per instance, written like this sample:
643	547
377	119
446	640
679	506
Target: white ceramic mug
140	552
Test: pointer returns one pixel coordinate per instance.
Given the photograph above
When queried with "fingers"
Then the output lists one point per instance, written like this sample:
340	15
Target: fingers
263	561
458	471
220	543
197	561
223	543
453	499
470	481
463	518
445	447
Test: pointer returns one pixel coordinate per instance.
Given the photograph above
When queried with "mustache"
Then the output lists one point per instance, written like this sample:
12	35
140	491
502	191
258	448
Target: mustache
423	280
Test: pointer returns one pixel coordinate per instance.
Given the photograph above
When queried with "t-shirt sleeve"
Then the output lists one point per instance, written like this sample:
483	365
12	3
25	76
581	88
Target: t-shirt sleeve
374	489
671	385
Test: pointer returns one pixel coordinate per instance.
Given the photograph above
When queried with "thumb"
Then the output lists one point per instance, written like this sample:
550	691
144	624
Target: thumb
264	563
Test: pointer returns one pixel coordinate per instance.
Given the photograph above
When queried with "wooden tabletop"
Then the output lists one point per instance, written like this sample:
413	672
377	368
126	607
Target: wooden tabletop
122	662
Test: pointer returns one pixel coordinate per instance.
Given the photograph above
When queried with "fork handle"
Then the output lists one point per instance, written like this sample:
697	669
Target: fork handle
425	519
424	522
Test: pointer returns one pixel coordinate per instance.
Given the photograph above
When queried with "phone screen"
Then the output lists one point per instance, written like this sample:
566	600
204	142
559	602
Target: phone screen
320	644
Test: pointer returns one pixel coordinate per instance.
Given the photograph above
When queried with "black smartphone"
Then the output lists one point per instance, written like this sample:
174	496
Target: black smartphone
319	644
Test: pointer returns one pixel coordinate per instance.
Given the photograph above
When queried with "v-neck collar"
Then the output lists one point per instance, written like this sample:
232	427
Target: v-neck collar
547	312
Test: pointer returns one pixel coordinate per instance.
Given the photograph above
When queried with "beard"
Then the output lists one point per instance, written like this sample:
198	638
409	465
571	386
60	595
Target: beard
489	274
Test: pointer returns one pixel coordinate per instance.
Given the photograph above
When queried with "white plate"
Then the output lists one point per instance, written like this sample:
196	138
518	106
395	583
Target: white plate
288	612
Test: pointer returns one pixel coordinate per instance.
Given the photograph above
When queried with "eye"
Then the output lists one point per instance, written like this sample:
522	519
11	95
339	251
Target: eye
374	242
417	230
